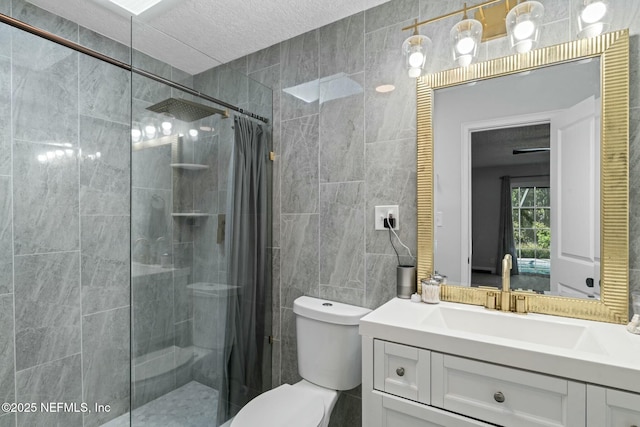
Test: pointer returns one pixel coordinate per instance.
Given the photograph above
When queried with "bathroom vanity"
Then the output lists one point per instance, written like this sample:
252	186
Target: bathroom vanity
461	365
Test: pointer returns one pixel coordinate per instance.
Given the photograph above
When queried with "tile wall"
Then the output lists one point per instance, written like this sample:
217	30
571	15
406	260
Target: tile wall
64	215
338	158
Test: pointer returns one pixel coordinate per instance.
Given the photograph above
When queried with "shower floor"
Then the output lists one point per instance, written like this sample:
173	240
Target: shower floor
192	405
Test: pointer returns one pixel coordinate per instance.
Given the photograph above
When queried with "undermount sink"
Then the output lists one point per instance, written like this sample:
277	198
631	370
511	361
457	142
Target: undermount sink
516	327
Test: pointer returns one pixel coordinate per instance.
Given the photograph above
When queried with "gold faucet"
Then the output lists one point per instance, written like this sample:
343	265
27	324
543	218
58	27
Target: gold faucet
505	301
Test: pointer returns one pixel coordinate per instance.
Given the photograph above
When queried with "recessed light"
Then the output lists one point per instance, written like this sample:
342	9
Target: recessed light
135	6
385	88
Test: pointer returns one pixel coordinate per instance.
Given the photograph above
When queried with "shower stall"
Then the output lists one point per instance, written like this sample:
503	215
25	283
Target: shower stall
135	230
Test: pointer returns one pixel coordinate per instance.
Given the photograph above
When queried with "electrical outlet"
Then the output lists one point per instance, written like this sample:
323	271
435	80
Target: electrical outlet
382	212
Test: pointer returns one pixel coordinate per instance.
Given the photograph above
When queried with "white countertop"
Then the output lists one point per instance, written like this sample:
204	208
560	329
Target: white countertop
604	353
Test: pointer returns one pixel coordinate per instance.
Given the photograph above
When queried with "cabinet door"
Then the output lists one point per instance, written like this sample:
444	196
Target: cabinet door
397	412
505	396
612	408
402	370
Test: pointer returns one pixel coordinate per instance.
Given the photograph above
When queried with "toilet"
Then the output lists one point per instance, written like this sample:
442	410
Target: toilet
329	360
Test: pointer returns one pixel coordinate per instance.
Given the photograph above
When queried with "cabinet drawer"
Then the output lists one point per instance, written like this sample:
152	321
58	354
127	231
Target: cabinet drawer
505	396
612	408
398	412
402	370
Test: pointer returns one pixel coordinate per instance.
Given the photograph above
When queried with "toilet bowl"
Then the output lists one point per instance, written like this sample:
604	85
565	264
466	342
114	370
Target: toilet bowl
329	360
301	405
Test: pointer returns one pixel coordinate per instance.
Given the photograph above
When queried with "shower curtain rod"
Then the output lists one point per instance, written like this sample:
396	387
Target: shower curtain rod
79	48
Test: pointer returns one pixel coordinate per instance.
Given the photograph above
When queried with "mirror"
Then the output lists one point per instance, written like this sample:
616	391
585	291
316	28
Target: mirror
535	145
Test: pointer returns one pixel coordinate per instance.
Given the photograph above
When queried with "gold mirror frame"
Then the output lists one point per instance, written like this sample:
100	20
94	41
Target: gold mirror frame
613	50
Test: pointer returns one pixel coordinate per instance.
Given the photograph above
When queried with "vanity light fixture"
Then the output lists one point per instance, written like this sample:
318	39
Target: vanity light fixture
523	25
415	49
465	37
593	17
493	19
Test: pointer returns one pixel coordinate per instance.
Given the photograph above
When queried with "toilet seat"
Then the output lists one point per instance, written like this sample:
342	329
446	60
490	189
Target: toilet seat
283	406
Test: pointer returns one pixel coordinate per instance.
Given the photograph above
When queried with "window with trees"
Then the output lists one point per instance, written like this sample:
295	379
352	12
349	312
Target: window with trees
532	228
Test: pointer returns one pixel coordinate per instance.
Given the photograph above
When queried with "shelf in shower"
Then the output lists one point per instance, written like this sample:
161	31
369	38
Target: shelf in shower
191	214
189	166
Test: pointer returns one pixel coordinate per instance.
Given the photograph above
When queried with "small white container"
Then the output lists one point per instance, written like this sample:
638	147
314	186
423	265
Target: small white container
430	291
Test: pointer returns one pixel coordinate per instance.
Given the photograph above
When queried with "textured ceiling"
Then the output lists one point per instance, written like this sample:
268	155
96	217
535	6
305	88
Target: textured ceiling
217	31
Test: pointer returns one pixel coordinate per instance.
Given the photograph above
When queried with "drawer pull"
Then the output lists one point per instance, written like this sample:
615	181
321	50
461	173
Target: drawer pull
498	396
400	372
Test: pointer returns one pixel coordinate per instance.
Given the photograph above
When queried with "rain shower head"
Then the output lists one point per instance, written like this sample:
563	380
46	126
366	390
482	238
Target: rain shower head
186	111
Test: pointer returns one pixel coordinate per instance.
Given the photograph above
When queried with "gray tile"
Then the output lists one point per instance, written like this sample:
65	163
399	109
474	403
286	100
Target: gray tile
151	167
261	94
6	237
263	58
289	355
299	268
391	180
7	369
277	180
390	13
153	378
276	301
342	46
347	412
105	91
299	166
342	235
105	357
239	65
182	299
381	278
390	115
151	220
45	199
47	308
342	136
234	85
340	294
555	10
5	113
58	381
5	7
298	65
45	91
8	420
105	167
275	365
145	89
634	71
152	311
105	262
226	140
104	45
207	82
40	18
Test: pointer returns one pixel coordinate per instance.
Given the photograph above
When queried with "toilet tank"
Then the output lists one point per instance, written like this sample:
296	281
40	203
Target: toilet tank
329	346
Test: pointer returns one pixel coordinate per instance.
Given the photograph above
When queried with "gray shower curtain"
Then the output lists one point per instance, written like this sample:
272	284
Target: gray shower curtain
506	242
246	237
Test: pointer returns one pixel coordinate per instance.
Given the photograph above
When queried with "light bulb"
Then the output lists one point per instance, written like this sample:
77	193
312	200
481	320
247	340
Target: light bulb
42	158
193	133
464	60
593	12
465	45
150	131
524	30
414	72
136	134
416	59
166	125
524	46
59	153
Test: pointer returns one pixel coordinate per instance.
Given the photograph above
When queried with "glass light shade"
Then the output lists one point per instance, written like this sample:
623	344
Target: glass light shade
593	17
523	25
465	38
415	50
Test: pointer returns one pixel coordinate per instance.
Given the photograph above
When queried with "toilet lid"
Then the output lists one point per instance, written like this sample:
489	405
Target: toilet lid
283	406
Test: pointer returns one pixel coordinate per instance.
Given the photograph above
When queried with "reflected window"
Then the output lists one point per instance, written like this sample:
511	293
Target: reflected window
531	213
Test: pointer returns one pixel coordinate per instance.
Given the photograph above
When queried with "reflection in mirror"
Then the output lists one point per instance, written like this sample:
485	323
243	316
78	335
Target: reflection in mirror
527	182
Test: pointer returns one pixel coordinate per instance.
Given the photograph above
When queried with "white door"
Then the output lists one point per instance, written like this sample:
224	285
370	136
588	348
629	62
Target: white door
575	200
